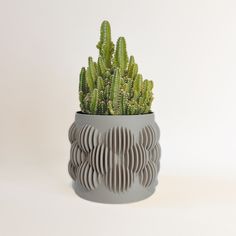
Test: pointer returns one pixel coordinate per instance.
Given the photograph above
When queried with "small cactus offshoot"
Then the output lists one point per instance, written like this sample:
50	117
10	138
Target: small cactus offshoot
112	85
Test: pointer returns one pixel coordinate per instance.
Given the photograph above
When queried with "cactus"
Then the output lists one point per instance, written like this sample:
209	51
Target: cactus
113	85
138	85
105	45
94	102
115	91
121	58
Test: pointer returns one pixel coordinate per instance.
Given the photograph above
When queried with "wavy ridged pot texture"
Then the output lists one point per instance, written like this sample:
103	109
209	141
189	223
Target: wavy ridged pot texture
114	158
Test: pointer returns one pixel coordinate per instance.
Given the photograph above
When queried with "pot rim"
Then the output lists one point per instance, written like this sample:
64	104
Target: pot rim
96	115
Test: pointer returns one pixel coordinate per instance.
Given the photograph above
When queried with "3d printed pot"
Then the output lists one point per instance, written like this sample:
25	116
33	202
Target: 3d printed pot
114	159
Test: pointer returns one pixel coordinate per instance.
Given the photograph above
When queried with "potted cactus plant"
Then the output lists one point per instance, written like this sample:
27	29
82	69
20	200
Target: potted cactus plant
115	153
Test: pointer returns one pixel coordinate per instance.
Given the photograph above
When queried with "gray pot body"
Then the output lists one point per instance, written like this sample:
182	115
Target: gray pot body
114	159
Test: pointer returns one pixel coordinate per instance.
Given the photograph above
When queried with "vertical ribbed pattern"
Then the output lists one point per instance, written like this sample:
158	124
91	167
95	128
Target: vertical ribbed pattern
147	137
119	179
72	170
148	174
87	177
155	153
88	138
72	133
157	131
137	158
119	139
77	156
102	159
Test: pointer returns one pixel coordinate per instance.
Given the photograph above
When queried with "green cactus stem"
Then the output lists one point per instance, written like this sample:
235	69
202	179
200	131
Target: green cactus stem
82	87
92	68
101	66
115	93
134	71
82	80
105	45
89	79
110	109
123	102
100	83
121	58
130	67
94	101
138	85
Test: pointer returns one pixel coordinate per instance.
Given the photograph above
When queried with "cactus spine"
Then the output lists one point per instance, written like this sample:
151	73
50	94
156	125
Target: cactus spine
112	85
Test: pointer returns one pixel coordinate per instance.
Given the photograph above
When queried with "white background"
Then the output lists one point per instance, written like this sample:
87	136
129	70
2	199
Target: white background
187	47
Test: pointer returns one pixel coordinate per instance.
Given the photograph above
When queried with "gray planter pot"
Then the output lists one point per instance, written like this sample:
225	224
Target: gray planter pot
114	159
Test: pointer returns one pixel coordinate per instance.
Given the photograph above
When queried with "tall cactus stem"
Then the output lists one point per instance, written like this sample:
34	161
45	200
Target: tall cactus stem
115	95
105	45
121	58
130	67
138	85
94	101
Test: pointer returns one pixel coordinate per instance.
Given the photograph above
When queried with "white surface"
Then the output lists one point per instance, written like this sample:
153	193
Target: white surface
187	47
40	202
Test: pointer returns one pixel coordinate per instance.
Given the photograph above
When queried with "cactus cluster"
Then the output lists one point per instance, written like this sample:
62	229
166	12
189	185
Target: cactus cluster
112	85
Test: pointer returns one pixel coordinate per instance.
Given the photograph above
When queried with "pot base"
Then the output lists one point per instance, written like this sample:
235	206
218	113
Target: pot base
102	195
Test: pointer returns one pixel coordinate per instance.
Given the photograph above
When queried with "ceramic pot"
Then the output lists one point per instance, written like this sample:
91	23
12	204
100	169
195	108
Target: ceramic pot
114	158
